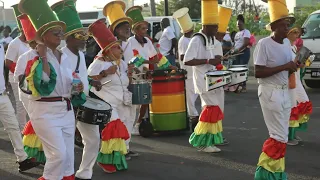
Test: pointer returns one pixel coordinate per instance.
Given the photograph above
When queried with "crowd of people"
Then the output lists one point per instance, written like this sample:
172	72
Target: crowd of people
51	83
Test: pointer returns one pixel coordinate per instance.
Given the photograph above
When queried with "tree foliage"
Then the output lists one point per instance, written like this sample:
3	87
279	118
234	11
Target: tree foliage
193	5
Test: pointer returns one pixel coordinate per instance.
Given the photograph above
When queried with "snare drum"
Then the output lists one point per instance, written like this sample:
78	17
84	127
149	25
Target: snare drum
141	92
217	79
94	111
237	66
239	75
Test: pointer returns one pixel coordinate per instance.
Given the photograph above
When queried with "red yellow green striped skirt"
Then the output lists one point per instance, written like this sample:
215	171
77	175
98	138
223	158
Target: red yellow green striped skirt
208	131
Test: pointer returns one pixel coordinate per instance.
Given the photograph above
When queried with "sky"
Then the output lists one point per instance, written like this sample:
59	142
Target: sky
83	4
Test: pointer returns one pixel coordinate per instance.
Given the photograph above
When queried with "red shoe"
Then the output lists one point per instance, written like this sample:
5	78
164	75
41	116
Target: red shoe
108	168
41	178
69	177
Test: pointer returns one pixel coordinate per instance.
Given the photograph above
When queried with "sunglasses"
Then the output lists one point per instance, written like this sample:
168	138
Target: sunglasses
57	32
81	36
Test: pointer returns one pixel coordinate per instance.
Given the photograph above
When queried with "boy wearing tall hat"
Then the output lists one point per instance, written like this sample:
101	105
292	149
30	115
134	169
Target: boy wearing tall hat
50	81
204	54
75	37
121	26
187	28
15	49
273	65
144	46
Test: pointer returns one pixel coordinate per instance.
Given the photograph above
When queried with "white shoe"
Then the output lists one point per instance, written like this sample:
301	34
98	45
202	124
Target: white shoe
135	130
210	149
293	142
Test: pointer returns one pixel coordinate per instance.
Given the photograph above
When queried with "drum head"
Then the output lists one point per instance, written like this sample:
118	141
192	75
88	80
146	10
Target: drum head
96	104
235	66
238	69
218	73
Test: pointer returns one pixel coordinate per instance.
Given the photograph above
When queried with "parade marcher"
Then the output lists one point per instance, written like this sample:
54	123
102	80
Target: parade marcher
273	65
31	142
5	41
121	26
10	123
168	41
16	48
187	28
111	157
50	80
204	53
75	37
242	41
302	107
144	46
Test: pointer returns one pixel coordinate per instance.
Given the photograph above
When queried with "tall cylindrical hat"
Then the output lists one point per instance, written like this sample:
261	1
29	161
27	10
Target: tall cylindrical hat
27	27
209	12
135	13
184	20
17	13
278	10
102	35
66	12
114	11
42	17
224	18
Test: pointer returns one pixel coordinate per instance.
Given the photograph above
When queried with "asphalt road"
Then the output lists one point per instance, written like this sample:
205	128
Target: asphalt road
165	157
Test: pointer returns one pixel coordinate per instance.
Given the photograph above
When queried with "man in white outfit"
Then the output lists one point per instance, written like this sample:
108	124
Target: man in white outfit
16	48
10	123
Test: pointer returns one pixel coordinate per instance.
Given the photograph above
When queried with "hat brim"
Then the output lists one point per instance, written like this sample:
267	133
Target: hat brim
47	26
291	19
109	46
119	21
134	26
123	6
84	29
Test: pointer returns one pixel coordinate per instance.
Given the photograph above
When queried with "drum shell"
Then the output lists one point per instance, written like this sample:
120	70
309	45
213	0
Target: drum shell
141	93
169	122
166	82
214	82
238	77
93	116
163	104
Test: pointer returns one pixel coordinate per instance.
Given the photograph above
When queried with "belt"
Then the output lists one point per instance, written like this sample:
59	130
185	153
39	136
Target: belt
57	99
285	86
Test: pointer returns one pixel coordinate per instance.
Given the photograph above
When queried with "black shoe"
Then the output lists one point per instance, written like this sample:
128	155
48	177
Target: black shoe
81	179
133	154
27	164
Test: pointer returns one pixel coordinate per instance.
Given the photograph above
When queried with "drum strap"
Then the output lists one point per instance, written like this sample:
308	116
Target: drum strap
78	63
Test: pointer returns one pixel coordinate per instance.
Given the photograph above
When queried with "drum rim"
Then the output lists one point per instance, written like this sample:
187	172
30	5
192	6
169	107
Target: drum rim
218	75
88	97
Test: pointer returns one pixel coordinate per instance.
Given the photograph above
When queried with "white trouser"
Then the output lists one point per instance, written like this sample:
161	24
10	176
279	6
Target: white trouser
276	108
20	110
91	141
129	122
301	93
11	125
55	126
213	98
191	98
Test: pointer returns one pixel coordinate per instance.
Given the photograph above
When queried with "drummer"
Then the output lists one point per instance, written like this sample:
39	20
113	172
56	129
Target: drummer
121	26
110	67
187	27
144	46
204	53
76	37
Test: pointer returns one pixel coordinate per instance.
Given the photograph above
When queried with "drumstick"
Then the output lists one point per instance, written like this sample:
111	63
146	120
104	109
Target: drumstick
106	82
232	55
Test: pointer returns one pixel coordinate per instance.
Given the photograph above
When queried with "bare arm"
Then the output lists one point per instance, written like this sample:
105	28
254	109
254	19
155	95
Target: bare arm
42	50
197	62
174	45
8	63
264	72
182	57
245	44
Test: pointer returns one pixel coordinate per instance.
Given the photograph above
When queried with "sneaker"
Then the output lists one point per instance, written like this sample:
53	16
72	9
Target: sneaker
41	178
108	168
28	164
135	130
210	149
297	138
128	157
80	179
133	154
292	142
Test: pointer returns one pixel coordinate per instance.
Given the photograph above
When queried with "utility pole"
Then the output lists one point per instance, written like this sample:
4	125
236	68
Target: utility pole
166	8
153	8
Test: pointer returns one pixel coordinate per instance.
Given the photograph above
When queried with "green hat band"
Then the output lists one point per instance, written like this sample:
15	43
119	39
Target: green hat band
17	13
67	12
136	15
40	15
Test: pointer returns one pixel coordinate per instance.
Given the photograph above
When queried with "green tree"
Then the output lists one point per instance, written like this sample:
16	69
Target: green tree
193	5
301	14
